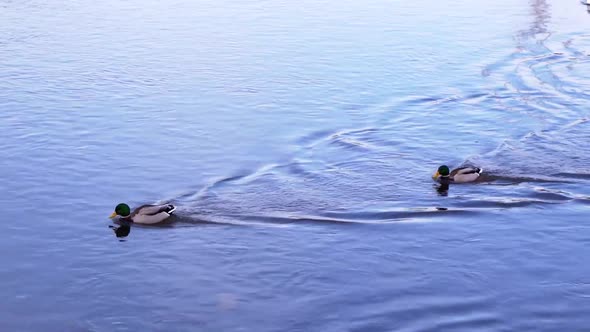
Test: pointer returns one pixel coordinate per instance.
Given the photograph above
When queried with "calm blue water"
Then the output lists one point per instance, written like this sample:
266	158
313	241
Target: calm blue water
297	140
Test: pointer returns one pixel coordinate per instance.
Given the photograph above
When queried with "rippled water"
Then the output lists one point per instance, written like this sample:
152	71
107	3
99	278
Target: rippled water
297	140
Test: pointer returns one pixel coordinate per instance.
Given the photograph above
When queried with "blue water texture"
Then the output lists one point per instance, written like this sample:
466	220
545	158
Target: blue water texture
297	140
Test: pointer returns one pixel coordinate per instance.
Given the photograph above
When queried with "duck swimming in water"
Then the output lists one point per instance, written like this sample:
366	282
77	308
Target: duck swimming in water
145	214
458	175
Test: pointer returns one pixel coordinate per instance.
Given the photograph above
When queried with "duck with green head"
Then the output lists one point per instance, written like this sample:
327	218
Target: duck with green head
459	175
145	214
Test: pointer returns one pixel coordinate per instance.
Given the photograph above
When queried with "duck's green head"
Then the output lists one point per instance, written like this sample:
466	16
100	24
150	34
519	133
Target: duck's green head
442	171
122	210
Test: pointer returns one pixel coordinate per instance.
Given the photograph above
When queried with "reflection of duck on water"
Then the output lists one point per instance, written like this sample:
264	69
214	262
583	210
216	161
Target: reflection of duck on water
121	231
145	214
458	175
443	189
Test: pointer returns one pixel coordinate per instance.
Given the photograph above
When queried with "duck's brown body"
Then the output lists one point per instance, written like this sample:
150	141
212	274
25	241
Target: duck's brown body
150	214
459	175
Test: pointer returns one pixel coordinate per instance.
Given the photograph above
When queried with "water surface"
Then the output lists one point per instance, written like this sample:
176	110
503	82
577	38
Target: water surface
297	140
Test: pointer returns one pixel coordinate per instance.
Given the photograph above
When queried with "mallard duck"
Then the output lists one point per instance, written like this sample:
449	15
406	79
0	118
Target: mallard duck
145	214
458	175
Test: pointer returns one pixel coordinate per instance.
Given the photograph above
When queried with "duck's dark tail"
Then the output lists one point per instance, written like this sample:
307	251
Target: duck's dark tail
169	208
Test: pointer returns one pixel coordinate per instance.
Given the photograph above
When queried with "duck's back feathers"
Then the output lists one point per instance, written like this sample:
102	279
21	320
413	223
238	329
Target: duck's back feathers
465	174
152	214
154	209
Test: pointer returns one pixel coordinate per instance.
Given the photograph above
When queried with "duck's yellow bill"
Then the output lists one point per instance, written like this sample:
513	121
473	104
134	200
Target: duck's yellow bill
435	175
113	215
